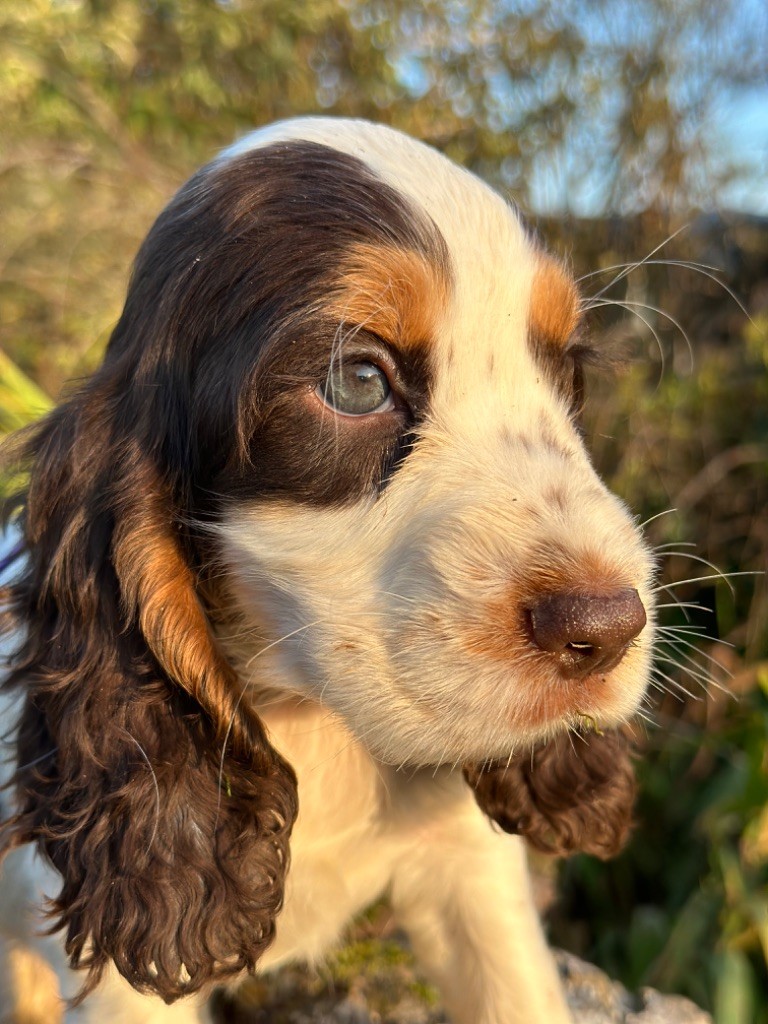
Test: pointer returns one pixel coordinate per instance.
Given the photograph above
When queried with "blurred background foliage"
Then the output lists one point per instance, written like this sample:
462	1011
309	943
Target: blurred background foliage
614	124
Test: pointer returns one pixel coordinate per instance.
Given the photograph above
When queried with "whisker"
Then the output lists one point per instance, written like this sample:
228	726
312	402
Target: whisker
682	605
705	269
644	716
656	684
666	512
706	579
701	677
703	561
687	630
634	266
674	683
681	641
648	324
669	653
632	307
685	264
686	604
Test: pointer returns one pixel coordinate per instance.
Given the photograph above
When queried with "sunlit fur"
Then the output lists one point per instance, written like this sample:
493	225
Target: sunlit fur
229	591
412	599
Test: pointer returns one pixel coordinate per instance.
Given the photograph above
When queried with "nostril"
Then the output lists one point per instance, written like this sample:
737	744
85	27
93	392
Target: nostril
583	649
586	632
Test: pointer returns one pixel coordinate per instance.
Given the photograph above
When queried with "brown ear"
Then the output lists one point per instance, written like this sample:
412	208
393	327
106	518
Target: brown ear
574	793
143	777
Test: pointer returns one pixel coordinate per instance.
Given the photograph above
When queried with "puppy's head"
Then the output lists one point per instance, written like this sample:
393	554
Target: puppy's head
337	419
422	524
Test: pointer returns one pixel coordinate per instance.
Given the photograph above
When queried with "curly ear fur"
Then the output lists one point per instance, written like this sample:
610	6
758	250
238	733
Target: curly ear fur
149	786
142	776
574	793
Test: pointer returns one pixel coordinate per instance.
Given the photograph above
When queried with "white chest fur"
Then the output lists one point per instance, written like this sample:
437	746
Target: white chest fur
358	819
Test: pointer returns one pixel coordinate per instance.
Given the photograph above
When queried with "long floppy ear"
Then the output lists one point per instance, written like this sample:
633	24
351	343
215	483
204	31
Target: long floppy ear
572	794
143	776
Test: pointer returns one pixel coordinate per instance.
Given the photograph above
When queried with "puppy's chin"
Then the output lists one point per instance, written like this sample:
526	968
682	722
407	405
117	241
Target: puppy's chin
412	743
483	713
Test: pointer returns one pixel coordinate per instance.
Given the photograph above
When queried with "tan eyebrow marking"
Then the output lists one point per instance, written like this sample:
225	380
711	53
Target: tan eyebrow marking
555	310
398	294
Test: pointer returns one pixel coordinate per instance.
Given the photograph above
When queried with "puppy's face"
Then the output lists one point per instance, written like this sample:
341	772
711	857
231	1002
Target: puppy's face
418	538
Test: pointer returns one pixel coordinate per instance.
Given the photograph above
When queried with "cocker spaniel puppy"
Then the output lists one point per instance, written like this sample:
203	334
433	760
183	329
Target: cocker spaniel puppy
317	579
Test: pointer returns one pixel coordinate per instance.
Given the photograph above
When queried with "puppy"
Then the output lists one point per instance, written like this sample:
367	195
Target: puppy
320	533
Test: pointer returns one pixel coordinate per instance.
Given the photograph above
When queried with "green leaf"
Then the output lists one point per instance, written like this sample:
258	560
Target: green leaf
734	989
21	400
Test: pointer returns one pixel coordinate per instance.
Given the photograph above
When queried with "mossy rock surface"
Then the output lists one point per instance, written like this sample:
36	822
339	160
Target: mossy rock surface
374	980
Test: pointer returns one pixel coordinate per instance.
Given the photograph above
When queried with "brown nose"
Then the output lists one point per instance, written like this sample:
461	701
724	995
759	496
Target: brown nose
586	632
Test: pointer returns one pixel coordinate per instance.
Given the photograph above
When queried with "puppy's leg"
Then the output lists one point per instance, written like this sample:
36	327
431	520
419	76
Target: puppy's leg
463	895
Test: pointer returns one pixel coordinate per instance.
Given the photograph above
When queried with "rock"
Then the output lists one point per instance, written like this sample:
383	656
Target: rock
390	992
660	1009
595	999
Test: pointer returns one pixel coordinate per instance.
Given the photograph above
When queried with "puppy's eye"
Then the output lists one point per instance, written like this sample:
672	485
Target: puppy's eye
355	389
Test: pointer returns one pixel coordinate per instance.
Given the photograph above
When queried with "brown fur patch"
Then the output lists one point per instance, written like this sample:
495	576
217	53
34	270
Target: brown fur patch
573	793
554	310
156	581
399	295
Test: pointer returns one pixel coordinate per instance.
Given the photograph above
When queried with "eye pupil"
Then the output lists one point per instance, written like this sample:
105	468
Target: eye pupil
356	389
